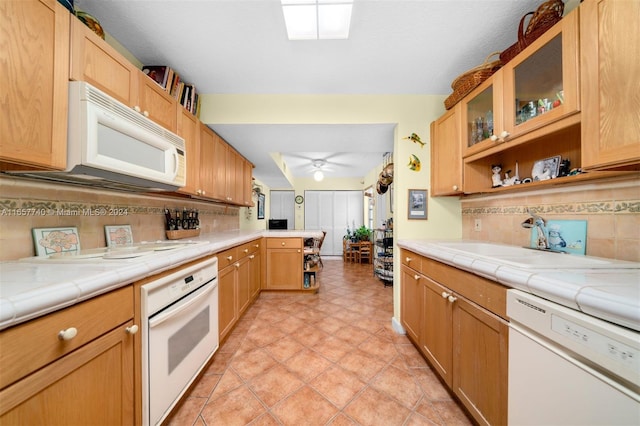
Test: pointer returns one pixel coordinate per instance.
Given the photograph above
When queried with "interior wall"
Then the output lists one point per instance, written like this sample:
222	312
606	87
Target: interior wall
90	209
611	209
410	114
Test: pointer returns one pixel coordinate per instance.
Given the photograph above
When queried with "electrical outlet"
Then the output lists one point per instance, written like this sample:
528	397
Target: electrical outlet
477	225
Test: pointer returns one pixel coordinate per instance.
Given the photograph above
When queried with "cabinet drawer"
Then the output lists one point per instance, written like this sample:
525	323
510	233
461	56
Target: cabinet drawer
248	248
227	257
412	260
287	243
29	346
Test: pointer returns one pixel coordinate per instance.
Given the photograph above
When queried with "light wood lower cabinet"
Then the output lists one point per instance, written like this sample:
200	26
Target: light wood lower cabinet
456	320
88	379
238	277
284	264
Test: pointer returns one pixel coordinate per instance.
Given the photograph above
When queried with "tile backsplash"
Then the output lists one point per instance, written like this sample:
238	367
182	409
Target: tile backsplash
26	204
610	207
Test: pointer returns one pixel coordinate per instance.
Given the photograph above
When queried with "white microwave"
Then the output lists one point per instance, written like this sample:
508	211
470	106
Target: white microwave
113	146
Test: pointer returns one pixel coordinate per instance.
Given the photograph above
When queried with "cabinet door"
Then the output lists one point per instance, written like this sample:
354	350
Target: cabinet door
437	328
227	313
94	61
243	270
188	130
480	340
446	159
34	64
247	183
156	103
284	269
545	72
480	111
411	299
221	169
207	162
255	261
92	385
610	42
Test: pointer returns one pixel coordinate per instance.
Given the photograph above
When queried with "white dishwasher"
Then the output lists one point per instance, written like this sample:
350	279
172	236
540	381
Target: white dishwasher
569	368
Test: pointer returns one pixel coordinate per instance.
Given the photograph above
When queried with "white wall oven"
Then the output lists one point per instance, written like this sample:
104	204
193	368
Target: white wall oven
180	335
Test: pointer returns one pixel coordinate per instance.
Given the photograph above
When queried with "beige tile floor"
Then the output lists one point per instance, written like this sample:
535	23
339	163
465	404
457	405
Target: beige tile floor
325	359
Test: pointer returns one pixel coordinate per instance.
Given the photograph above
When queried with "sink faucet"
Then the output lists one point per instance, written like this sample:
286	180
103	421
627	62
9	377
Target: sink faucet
535	221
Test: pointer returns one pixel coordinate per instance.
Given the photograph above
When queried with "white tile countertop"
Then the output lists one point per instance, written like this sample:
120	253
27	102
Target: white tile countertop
33	287
605	288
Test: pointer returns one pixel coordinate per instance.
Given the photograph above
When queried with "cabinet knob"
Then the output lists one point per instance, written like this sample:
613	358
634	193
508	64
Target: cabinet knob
252	256
504	134
452	299
229	258
493	138
299	250
246	250
145	113
237	264
136	108
455	187
408	260
416	277
445	294
132	330
257	245
283	244
68	334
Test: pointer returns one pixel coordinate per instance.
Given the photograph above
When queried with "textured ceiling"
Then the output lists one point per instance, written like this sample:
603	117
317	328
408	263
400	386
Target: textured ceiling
241	47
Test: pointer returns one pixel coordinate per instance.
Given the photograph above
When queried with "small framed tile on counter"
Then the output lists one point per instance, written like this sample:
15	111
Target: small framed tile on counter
49	241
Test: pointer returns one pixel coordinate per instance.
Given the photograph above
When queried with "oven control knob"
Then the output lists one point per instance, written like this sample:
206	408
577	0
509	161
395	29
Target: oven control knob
132	330
68	334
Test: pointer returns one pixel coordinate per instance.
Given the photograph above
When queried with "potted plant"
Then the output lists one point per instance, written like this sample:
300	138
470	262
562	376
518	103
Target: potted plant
362	234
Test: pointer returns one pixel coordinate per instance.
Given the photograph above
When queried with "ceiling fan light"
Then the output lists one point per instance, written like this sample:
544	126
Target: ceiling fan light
318	175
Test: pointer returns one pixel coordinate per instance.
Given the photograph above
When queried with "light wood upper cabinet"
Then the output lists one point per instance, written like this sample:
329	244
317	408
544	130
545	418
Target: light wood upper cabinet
546	71
188	129
207	170
34	64
221	168
102	66
96	62
446	164
157	104
610	45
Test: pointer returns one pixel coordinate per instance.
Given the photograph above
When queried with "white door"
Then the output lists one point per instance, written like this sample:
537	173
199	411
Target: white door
333	212
283	207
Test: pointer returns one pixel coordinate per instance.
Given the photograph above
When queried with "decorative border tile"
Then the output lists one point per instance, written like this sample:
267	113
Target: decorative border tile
597	207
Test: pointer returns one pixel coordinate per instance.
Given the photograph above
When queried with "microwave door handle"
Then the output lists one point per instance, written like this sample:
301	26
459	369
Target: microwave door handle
154	322
175	163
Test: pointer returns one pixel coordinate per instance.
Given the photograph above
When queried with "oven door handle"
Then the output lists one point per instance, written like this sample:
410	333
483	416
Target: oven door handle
153	322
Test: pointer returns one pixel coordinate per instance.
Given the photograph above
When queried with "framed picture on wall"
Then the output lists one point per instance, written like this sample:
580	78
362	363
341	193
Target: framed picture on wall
417	204
261	199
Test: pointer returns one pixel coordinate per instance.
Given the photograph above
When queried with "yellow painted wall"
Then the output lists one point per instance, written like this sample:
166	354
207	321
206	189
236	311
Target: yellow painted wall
410	113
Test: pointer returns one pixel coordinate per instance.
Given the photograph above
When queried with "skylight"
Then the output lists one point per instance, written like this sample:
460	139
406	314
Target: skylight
317	19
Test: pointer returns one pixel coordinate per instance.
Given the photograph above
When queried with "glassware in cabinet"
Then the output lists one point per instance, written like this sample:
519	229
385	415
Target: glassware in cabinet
541	84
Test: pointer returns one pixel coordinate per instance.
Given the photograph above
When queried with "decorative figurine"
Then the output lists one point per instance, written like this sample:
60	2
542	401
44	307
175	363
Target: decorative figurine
508	181
497	180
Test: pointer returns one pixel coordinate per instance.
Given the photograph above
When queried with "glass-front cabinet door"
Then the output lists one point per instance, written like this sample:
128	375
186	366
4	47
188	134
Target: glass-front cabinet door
541	84
481	110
